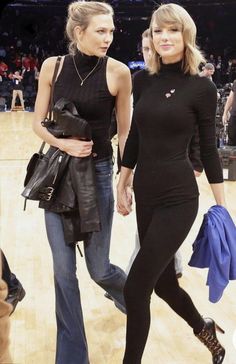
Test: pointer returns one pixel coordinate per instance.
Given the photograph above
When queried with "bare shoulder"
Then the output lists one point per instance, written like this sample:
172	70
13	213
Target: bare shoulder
118	68
49	63
48	67
118	77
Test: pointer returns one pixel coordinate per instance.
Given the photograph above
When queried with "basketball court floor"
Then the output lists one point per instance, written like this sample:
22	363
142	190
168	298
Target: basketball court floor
23	239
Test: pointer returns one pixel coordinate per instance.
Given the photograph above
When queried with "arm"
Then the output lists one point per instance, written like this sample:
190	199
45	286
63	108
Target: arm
124	197
194	153
123	112
17	77
228	106
128	163
219	194
206	109
124	200
73	147
123	109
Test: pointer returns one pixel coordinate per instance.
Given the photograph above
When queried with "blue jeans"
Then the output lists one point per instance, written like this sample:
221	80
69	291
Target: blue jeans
71	339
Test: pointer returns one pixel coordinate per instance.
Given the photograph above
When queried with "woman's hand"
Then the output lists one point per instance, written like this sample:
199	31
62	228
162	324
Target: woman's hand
225	118
124	200
76	147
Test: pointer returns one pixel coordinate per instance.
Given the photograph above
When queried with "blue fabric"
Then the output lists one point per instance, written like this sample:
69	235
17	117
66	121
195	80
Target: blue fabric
215	248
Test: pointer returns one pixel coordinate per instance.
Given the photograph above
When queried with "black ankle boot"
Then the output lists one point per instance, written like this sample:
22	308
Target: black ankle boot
208	337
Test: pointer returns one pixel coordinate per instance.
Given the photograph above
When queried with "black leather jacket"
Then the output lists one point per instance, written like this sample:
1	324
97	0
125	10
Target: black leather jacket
75	194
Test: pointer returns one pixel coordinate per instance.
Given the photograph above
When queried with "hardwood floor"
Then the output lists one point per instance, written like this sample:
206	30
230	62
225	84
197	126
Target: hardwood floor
24	242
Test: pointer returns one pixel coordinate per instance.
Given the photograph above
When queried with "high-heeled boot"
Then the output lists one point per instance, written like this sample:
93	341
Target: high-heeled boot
208	337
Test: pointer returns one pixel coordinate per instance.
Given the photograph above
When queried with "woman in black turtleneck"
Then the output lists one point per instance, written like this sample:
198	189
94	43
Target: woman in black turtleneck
169	100
96	84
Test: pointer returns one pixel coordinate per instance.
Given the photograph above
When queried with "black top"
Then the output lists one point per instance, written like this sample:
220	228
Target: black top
93	99
167	107
17	84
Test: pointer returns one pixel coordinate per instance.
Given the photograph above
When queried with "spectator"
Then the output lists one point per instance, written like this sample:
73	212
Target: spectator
17	62
218	71
2	52
17	90
229	115
3	68
212	59
207	71
232	71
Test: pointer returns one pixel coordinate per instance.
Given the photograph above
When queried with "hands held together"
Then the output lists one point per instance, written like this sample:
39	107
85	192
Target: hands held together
124	200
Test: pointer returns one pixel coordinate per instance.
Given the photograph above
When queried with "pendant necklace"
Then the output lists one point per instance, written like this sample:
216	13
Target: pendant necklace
169	94
77	71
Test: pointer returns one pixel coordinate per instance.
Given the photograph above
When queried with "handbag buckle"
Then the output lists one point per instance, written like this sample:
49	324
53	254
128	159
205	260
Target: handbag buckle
47	122
46	193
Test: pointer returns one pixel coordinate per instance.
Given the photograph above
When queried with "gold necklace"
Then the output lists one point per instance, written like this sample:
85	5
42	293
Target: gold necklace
81	79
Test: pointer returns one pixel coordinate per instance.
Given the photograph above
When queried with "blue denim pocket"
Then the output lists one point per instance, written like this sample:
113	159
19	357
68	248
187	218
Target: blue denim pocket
104	186
104	168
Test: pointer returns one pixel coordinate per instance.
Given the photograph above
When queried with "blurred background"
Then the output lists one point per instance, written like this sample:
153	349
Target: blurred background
32	30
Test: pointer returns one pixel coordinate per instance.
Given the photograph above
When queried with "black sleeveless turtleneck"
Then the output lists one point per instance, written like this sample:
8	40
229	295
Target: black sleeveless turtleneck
167	107
93	100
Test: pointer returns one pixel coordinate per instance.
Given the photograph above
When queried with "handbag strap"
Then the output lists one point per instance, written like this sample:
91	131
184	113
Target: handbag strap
53	84
51	96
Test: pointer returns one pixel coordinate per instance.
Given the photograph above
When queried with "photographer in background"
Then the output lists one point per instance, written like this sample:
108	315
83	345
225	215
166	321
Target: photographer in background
229	115
17	90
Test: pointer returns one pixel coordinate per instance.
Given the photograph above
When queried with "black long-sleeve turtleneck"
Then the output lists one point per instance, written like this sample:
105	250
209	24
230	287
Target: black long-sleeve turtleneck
167	106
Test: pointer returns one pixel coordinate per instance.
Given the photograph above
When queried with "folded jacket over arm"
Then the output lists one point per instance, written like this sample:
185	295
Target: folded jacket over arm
215	248
75	196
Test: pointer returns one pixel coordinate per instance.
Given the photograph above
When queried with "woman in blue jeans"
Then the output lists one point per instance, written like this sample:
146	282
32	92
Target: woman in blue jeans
95	84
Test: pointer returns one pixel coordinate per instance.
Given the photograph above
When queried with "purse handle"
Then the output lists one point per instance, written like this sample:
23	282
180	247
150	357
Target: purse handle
51	96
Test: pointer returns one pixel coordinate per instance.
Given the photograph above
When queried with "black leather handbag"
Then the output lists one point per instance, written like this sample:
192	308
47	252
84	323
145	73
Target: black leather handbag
67	122
42	171
36	157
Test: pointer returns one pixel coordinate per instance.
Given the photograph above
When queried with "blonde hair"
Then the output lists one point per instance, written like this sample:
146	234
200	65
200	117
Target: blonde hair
176	14
80	14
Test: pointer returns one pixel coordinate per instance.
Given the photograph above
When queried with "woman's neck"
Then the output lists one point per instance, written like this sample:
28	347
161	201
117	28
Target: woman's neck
171	60
85	63
176	67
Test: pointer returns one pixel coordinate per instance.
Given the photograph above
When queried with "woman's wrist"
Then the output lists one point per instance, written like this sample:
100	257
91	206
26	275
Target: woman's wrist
59	143
120	186
221	203
126	178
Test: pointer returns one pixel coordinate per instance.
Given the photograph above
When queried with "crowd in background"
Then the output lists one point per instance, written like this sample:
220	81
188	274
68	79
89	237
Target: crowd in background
35	35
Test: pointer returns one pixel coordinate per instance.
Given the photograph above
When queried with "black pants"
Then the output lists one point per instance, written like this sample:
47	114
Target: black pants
161	230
